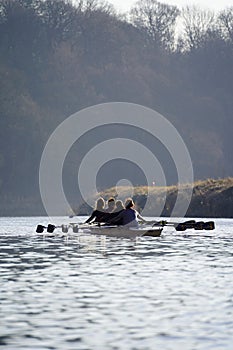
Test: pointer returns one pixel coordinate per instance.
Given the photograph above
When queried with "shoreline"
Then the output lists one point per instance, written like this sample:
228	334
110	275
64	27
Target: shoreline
211	198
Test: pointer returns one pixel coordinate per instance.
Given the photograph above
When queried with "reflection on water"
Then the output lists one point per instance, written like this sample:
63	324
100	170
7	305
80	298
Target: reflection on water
171	292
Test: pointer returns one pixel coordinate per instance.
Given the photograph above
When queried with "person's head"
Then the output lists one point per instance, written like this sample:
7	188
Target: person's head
100	204
129	203
119	205
111	204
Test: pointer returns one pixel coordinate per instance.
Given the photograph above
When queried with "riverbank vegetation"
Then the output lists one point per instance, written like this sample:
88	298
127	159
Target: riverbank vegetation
210	198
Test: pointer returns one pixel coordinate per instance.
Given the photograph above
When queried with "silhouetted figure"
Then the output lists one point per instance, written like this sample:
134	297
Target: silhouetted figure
129	216
111	205
99	212
119	208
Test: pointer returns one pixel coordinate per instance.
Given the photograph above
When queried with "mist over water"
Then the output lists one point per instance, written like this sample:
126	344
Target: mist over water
170	292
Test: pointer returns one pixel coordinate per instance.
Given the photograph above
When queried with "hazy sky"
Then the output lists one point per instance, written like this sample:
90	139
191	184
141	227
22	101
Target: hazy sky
125	5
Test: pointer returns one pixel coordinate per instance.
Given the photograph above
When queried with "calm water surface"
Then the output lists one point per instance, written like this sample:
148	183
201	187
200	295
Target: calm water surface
172	292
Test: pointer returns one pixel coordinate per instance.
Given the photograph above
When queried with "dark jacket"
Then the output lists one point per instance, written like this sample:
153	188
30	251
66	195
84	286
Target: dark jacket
97	215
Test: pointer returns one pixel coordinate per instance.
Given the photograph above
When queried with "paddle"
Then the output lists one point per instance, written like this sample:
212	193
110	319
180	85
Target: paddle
191	224
40	228
179	226
50	228
201	225
65	228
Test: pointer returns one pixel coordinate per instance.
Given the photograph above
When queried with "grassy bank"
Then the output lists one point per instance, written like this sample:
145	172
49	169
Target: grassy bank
210	198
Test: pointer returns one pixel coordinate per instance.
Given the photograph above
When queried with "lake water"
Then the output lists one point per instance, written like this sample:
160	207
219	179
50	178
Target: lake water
172	292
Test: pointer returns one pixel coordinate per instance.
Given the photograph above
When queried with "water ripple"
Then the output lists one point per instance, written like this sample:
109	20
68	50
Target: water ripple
170	292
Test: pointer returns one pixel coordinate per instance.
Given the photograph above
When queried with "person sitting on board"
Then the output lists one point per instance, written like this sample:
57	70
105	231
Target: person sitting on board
118	210
111	205
129	216
110	209
99	212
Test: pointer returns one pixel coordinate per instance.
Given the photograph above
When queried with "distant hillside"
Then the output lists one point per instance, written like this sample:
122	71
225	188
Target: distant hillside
211	198
60	56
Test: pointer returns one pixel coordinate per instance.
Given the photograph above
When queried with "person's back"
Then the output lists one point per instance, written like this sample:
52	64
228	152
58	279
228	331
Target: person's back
109	210
115	217
99	212
129	217
99	215
111	205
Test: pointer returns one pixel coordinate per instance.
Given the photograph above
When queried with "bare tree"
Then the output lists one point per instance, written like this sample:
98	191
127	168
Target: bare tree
226	23
196	25
157	19
91	6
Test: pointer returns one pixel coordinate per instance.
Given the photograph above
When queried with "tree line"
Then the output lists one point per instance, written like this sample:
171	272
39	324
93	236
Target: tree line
57	57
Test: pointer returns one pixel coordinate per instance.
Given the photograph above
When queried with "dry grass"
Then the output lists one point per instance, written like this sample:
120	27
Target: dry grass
200	187
210	197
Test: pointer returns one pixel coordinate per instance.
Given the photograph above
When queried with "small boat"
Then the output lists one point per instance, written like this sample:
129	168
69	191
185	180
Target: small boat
152	229
123	232
104	230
